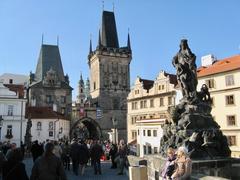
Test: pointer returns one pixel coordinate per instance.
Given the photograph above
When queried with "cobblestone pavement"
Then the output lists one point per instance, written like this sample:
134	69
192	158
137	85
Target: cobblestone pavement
107	173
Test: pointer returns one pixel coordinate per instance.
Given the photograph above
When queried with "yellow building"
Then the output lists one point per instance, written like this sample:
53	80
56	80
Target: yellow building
223	80
148	104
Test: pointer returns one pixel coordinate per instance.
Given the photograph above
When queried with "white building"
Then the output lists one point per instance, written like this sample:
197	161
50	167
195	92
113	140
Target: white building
18	79
12	113
223	80
148	105
48	124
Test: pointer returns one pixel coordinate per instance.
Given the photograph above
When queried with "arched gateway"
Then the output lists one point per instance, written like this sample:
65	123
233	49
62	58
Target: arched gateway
86	128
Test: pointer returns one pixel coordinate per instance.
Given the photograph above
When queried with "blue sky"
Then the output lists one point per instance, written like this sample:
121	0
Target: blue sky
156	28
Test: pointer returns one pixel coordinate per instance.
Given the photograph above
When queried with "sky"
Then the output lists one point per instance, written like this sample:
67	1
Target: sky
155	26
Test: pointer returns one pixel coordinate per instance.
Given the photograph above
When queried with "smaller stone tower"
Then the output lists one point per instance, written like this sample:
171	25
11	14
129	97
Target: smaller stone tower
81	93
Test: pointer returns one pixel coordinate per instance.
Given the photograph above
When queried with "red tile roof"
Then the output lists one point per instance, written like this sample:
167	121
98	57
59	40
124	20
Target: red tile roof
16	88
227	64
43	113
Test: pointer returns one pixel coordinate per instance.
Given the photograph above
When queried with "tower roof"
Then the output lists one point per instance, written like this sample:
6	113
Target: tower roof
49	58
109	37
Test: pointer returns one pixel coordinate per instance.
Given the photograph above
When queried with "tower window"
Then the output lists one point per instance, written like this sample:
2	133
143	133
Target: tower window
63	99
94	85
10	81
49	99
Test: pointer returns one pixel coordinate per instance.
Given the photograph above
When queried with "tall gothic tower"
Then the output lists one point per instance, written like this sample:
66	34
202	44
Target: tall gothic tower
48	86
110	76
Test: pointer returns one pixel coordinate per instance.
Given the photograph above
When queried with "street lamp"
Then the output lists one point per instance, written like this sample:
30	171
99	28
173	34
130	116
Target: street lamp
115	123
1	124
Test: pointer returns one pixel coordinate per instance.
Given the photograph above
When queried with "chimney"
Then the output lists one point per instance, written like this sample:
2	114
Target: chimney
208	60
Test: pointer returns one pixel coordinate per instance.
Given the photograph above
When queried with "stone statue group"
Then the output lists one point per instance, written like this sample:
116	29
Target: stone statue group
192	125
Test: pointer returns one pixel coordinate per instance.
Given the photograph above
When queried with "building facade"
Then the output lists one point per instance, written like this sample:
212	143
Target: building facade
110	77
223	80
48	124
48	86
149	103
12	113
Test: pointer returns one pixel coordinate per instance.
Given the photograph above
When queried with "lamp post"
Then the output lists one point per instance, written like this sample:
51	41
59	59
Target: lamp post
115	123
1	124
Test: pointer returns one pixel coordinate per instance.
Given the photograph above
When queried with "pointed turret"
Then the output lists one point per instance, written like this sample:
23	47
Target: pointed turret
109	37
129	43
99	39
90	47
49	57
81	79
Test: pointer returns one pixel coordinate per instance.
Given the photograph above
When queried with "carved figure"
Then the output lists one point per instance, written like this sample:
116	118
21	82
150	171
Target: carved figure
204	94
184	62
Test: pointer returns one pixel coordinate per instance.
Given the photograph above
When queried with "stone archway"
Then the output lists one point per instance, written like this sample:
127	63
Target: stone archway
93	129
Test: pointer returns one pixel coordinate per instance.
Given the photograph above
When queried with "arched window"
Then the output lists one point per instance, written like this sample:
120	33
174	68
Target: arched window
39	126
51	125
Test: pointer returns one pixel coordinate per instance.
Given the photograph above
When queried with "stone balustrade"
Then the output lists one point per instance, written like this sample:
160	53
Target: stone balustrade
228	168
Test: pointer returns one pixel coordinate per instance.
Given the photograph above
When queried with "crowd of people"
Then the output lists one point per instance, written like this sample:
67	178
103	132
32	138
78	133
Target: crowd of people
52	158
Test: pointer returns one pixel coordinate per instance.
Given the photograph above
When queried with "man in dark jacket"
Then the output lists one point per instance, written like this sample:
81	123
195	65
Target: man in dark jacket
83	156
113	154
48	166
74	154
14	168
37	150
96	152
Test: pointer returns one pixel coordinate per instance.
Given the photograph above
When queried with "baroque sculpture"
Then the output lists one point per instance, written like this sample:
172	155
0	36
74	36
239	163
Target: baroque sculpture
192	124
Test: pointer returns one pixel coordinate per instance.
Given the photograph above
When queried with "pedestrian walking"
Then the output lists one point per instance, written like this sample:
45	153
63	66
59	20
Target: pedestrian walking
113	154
36	150
83	156
48	166
57	150
74	154
66	155
122	153
96	152
14	168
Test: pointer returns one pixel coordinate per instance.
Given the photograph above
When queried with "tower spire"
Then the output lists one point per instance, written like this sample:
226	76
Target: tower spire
90	47
57	40
42	38
109	37
128	41
99	39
